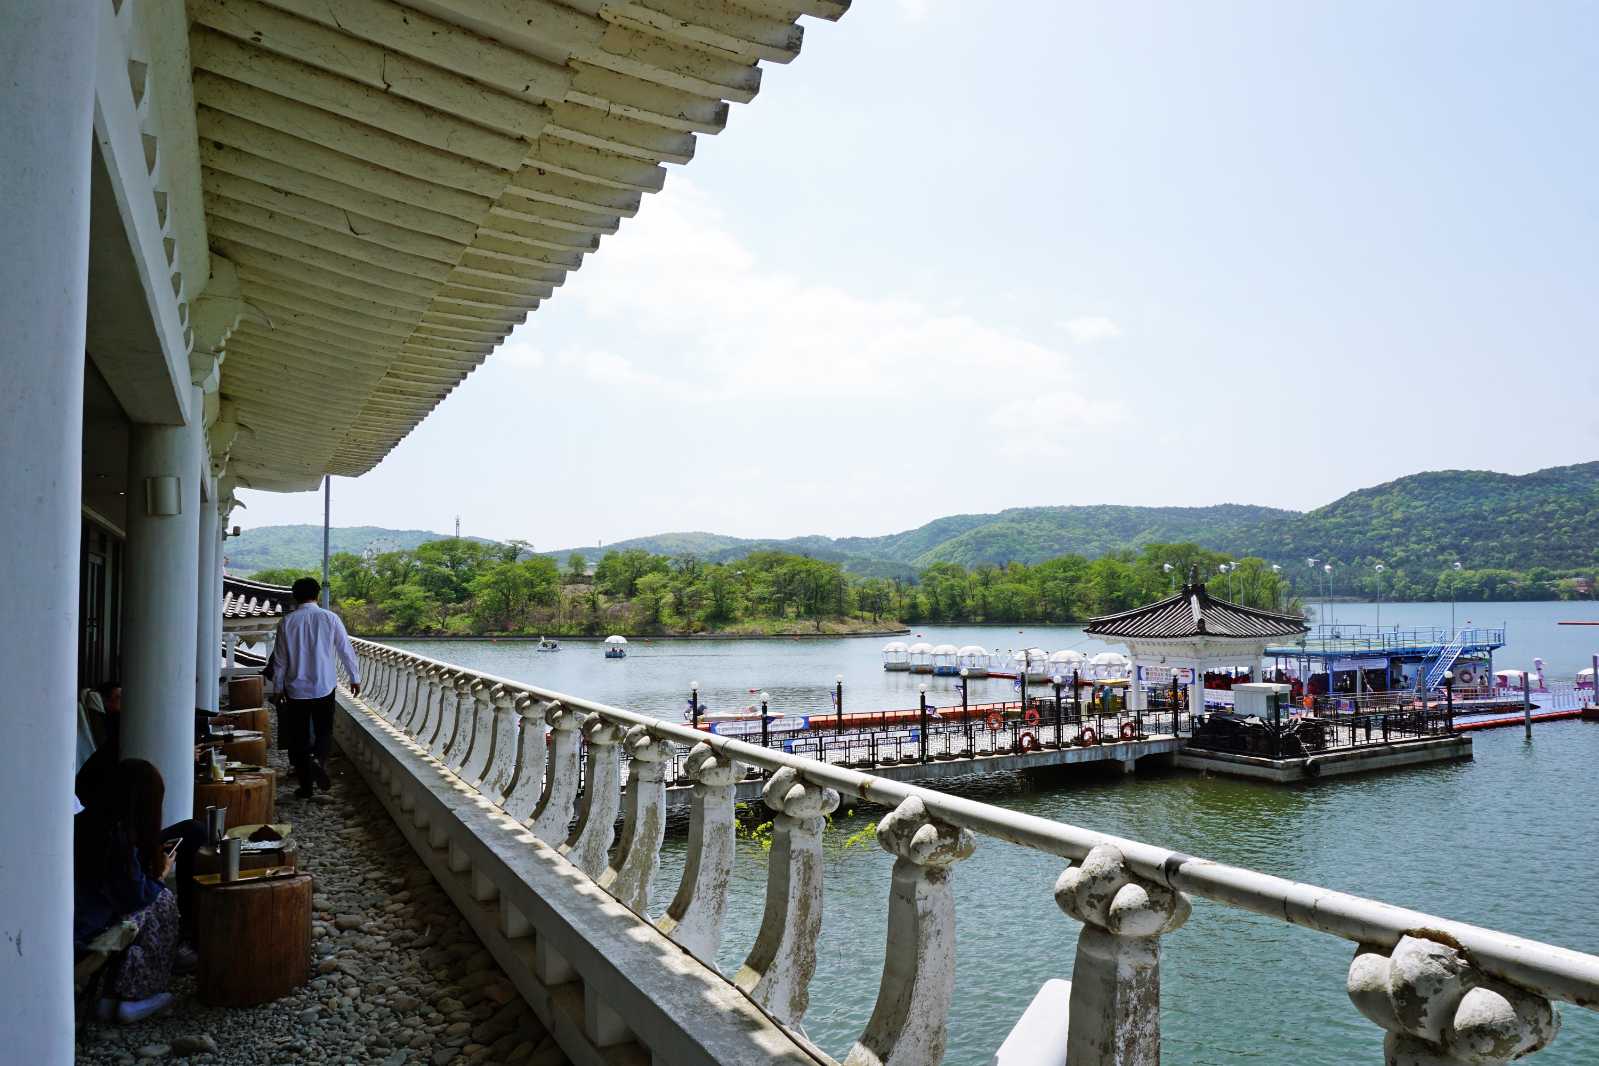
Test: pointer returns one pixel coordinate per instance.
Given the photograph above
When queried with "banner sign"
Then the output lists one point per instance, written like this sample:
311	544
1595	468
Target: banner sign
1162	675
1341	665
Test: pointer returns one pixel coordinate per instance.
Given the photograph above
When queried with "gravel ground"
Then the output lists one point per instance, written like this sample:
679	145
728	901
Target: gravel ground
398	976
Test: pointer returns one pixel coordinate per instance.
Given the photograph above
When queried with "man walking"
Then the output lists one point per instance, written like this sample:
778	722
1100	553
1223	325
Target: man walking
302	667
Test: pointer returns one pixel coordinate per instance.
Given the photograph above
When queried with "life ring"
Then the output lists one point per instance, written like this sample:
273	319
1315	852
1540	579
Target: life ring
1087	737
1026	743
1308	702
995	722
1030	716
1466	676
1129	731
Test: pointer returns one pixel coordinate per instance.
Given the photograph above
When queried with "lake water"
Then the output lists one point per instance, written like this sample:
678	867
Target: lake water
1505	841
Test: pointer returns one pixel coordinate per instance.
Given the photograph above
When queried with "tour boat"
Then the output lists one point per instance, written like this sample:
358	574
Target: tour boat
615	646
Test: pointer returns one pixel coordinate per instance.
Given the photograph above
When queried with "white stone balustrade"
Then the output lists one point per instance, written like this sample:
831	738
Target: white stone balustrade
777	974
1439	1010
480	749
694	917
533	743
638	852
1455	994
554	813
591	838
1115	999
909	1024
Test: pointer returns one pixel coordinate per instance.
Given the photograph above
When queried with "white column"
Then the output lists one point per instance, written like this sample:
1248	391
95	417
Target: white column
208	641
161	603
46	111
1196	688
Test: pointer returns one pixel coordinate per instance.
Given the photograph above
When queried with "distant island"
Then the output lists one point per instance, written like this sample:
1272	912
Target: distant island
1527	537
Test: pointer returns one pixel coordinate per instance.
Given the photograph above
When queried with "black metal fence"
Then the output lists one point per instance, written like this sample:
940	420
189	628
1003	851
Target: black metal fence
1293	737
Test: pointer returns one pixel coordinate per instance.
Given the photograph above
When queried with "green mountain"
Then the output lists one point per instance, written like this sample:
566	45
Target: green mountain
271	547
1541	524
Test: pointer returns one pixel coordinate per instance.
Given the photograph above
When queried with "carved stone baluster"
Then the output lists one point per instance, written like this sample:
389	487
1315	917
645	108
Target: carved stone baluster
694	918
399	687
385	677
1115	997
590	842
554	812
426	722
1440	1010
444	731
777	974
480	748
909	1024
638	853
413	703
532	754
374	678
508	707
466	689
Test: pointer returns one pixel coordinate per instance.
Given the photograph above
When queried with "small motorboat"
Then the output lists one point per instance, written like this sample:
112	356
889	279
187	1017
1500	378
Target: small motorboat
615	646
546	644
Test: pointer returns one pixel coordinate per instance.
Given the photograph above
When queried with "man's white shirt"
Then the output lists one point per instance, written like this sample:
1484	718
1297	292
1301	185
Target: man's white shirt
303	657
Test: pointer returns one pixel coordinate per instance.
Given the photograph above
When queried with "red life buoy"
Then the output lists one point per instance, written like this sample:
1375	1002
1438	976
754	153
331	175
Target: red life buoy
995	722
1031	716
1026	743
1087	737
1466	676
1128	731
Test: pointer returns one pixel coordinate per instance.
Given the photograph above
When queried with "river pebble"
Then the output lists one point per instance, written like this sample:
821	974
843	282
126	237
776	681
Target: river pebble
397	975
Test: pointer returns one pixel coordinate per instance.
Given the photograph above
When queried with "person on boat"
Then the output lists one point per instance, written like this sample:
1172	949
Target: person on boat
120	866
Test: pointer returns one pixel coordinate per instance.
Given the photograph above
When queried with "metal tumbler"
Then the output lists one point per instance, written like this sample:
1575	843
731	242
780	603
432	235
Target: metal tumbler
231	848
216	825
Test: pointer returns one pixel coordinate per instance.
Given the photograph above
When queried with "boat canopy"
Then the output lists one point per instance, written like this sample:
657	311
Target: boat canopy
616	638
894	646
921	648
1068	657
1032	656
972	651
946	649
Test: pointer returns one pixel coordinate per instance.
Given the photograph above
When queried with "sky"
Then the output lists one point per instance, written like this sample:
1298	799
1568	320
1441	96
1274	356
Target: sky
959	257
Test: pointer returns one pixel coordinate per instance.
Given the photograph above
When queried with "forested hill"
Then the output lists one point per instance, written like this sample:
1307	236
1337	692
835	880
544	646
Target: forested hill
1501	526
274	547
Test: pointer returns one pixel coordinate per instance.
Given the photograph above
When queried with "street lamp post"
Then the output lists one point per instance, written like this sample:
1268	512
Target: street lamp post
1454	588
1311	562
1327	602
694	703
1057	681
966	714
1379	568
838	699
766	720
923	734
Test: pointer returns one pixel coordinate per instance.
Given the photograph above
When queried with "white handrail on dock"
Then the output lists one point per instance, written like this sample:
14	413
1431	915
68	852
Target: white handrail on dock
1441	988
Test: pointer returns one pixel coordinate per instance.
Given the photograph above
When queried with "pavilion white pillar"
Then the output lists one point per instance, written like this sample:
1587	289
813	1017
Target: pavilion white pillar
208	636
46	114
1196	688
161	599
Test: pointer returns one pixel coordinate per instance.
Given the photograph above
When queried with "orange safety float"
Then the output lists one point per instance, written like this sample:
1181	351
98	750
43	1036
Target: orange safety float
1030	716
1128	731
995	722
1087	737
1026	743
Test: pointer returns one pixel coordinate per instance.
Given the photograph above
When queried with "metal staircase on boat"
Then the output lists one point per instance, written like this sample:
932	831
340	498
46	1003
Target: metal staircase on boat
1444	659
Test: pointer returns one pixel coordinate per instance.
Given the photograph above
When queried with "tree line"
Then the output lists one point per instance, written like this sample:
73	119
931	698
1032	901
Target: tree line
465	587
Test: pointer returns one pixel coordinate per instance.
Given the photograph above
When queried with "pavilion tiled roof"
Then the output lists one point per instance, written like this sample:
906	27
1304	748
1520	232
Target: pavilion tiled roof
1193	612
252	599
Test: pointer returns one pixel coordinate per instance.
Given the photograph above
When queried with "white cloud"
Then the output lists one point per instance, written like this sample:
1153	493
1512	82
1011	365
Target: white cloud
1086	329
914	10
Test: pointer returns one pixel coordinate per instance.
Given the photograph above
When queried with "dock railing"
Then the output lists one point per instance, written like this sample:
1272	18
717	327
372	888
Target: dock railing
1442	991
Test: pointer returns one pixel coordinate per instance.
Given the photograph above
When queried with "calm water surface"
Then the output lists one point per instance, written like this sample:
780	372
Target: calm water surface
1505	841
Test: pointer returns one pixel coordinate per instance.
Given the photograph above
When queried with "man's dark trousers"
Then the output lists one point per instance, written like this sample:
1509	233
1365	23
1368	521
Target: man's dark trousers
308	733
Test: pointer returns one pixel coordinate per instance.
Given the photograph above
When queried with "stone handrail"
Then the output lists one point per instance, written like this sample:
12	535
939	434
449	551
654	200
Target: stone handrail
1444	991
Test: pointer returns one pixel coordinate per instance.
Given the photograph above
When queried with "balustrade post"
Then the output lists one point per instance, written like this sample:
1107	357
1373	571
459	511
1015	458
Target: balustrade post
379	677
638	853
777	974
466	688
1440	1010
1115	998
414	670
694	918
424	723
480	746
590	842
501	772
401	687
532	740
909	1024
554	812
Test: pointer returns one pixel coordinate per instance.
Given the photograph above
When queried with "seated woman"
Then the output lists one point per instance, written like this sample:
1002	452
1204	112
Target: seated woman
120	865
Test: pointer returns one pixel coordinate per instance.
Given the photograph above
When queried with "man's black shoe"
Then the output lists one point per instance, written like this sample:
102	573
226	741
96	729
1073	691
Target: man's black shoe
303	792
322	780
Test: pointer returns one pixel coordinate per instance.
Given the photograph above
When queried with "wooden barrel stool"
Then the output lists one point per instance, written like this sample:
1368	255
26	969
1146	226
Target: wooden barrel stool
245	691
254	940
257	719
248	749
209	861
249	798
